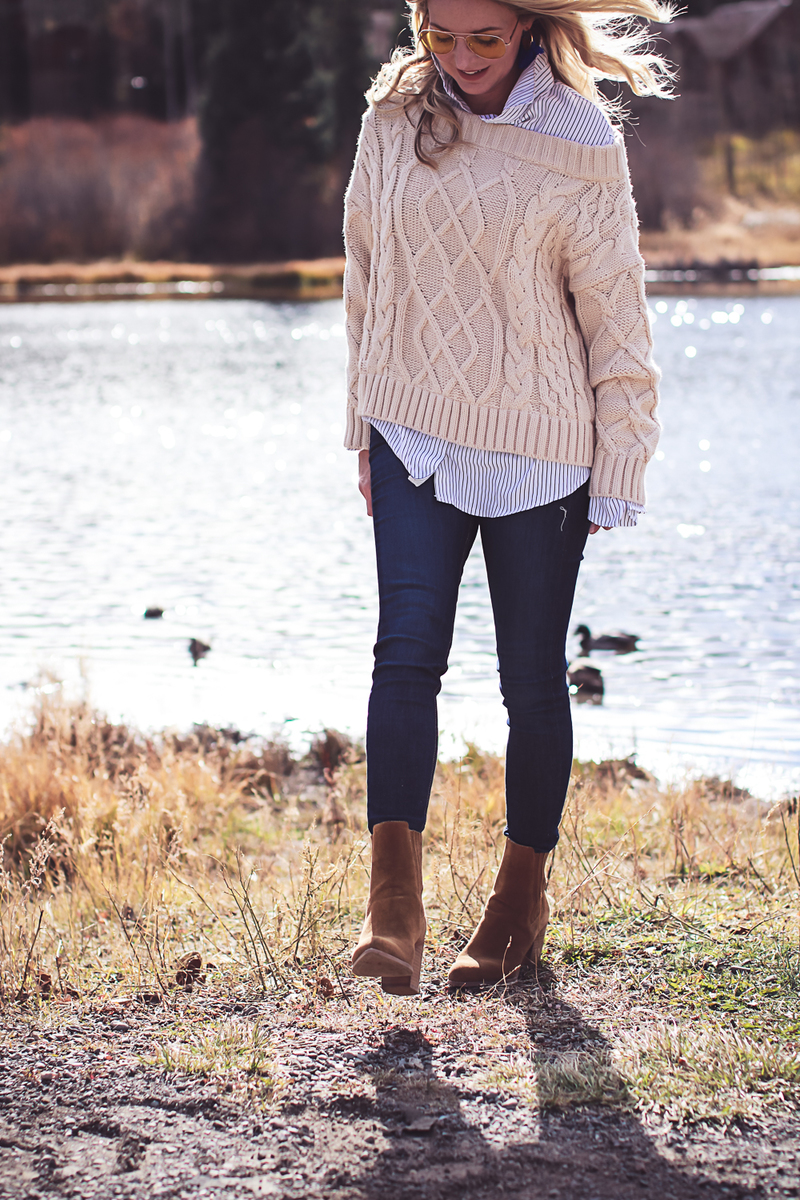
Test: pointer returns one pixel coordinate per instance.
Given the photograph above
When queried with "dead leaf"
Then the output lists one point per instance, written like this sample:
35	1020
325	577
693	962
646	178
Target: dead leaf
189	968
325	987
114	1003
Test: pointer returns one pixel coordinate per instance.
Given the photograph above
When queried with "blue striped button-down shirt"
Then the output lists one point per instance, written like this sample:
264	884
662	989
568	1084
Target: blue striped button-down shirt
495	483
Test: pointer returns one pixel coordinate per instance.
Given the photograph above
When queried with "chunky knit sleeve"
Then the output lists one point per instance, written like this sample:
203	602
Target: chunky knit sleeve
606	278
358	241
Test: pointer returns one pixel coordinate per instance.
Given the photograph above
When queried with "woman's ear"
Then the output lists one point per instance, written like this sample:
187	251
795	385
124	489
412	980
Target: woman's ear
534	32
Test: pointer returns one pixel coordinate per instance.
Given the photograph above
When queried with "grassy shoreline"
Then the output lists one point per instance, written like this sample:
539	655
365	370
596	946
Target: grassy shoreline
188	876
763	236
125	279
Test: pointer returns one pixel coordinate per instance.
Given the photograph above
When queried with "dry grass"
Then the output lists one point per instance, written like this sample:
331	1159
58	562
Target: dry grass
113	187
765	168
706	224
212	870
737	233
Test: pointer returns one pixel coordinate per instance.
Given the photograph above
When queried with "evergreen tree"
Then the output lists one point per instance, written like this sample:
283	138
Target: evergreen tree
282	94
257	62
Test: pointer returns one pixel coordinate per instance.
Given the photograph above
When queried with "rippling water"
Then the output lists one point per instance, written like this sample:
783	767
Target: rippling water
188	455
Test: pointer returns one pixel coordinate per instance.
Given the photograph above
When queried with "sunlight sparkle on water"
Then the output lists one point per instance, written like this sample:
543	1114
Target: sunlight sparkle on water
206	475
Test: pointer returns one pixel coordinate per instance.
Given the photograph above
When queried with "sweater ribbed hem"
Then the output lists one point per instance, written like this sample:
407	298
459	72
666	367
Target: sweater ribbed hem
517	431
622	478
356	436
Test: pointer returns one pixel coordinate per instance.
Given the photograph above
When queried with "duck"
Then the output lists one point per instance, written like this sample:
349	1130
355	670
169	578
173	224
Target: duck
198	650
619	643
585	682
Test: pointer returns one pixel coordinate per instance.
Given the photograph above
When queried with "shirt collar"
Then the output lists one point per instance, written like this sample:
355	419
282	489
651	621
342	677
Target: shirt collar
536	79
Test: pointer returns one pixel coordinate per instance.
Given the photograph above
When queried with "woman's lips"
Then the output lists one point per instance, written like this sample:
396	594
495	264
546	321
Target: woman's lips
471	76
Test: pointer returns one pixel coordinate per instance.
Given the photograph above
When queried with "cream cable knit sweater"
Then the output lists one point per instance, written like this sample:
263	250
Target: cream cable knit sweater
498	301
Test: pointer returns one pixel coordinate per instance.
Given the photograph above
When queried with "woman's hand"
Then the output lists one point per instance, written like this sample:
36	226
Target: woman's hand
592	527
364	485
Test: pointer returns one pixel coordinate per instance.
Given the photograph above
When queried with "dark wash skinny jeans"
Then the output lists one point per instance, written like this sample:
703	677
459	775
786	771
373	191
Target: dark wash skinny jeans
532	560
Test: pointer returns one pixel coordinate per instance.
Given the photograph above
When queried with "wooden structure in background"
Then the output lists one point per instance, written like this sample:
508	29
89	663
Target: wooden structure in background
738	74
740	67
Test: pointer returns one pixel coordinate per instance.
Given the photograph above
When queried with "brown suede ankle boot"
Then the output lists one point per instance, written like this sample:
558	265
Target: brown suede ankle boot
393	936
511	930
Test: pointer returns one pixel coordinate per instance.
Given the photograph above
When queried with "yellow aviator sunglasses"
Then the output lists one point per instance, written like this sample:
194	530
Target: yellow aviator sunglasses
485	45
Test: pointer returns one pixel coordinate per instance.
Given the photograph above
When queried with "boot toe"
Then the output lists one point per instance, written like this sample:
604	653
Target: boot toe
468	970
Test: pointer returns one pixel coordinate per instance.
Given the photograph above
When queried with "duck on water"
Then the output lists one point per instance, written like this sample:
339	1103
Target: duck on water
585	682
617	643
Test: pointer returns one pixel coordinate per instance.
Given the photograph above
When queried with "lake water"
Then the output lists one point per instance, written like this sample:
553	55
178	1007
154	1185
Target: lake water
188	455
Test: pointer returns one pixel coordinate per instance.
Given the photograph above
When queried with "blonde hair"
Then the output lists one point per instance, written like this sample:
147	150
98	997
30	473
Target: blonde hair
585	41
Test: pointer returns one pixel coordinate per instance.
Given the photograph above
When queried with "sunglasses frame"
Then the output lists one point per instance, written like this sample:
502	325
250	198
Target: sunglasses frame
466	38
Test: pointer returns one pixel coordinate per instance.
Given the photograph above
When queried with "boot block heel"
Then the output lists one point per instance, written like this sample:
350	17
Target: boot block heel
406	985
378	963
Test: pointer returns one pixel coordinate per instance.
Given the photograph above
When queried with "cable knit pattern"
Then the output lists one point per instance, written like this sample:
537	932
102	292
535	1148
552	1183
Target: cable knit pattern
498	301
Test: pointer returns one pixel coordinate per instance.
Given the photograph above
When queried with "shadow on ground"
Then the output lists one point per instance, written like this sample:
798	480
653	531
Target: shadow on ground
82	1118
443	1145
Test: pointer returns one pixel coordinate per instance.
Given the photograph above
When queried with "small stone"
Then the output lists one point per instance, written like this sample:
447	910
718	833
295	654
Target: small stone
420	1125
46	1077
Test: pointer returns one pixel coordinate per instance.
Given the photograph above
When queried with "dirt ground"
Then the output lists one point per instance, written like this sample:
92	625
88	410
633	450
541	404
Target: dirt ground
81	1115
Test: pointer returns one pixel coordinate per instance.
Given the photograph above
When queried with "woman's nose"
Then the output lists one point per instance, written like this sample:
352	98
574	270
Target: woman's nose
464	58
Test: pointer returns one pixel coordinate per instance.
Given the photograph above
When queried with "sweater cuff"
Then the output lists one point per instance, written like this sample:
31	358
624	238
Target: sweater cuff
621	478
356	435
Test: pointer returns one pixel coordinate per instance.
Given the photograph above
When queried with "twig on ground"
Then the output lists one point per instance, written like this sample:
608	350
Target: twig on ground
21	992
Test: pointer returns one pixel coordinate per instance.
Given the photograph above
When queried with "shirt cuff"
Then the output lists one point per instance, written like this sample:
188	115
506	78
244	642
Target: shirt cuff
610	512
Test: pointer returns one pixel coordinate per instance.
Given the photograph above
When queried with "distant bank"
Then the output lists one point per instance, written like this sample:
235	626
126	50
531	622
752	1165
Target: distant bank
125	279
755	255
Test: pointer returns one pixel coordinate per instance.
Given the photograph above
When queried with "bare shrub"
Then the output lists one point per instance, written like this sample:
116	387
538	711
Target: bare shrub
119	186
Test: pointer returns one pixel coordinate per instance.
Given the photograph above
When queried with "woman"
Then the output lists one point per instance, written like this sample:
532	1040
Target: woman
500	378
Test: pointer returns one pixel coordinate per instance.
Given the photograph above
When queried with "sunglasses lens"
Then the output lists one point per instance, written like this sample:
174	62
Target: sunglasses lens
485	46
437	43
